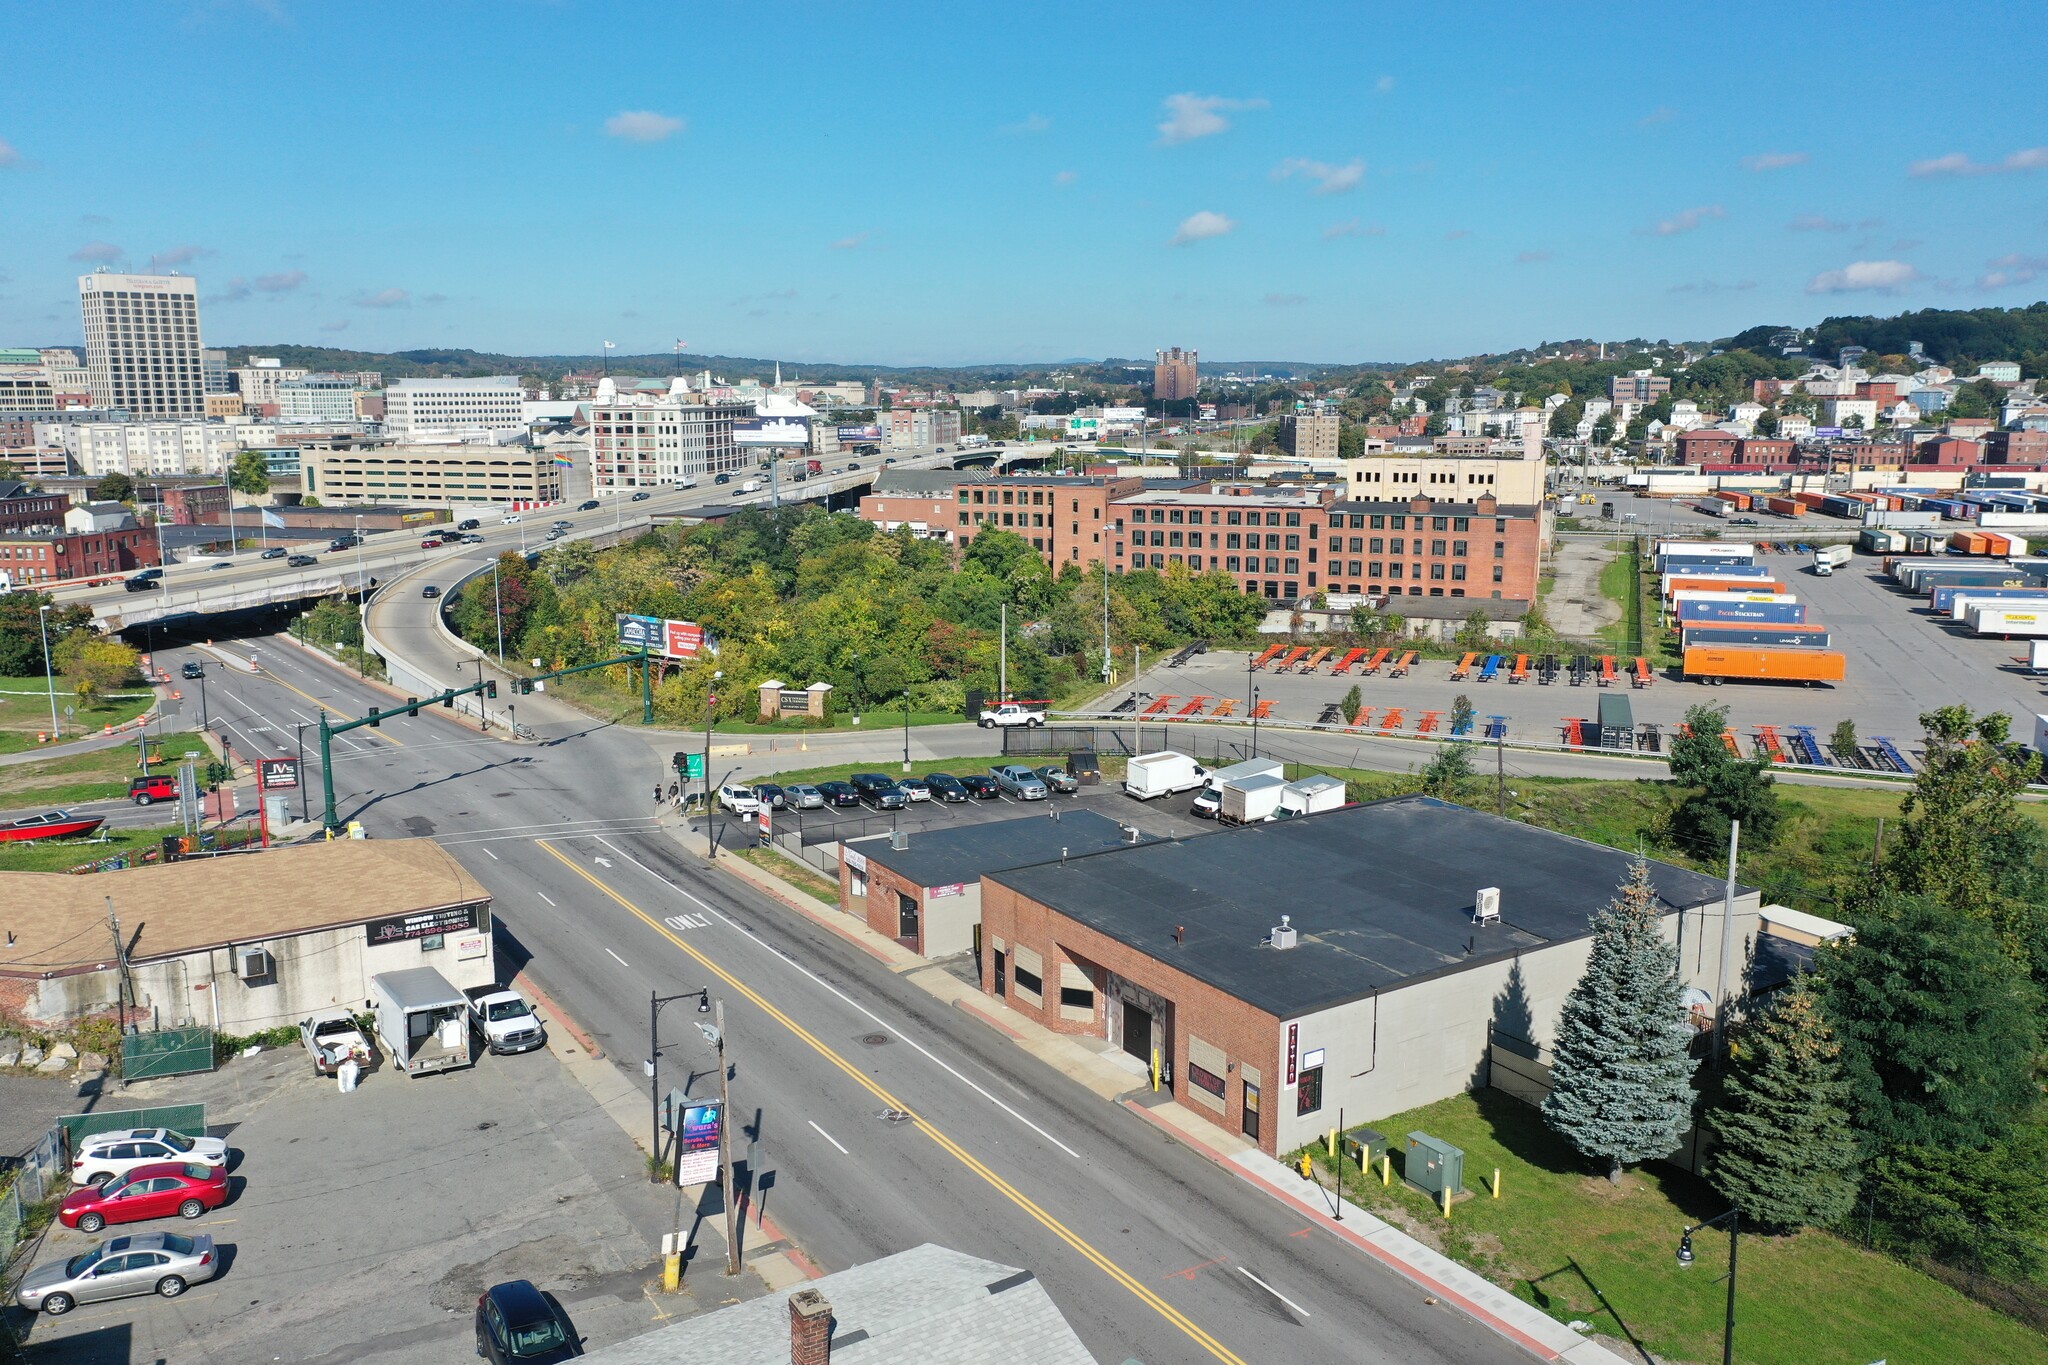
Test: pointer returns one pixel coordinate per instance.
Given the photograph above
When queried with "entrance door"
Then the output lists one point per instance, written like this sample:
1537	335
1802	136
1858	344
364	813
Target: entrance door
906	920
1251	1111
1138	1032
1002	984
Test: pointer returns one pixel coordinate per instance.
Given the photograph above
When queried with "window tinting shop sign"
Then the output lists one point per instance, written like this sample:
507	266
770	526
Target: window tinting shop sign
449	920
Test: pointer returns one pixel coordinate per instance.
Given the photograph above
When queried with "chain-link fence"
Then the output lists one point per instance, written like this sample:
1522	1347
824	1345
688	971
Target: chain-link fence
166	1052
29	1179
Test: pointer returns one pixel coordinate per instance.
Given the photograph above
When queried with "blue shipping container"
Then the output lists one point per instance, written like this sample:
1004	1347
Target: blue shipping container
1776	613
1725	635
1944	597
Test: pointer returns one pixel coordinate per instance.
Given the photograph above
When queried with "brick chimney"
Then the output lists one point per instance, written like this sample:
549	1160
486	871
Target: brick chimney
810	1328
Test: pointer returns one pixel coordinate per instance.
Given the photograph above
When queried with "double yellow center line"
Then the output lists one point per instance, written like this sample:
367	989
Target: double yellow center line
952	1148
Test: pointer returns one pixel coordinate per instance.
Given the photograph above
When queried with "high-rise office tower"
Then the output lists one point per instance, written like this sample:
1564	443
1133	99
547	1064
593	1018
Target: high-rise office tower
142	348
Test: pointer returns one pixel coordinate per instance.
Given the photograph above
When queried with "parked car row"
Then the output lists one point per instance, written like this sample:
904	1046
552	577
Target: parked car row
879	791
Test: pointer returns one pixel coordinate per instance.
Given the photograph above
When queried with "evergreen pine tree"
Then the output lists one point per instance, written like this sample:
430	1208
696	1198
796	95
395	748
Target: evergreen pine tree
1621	1085
1788	1156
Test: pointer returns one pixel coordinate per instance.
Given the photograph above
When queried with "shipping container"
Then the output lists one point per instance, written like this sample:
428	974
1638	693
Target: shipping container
1765	665
1875	540
1710	583
1785	507
2008	621
1684	595
1811	501
1739	501
1955	602
1760	633
1773	613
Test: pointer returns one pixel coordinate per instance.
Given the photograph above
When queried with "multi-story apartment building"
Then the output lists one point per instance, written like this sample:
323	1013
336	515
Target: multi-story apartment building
26	388
1639	386
1310	435
21	510
57	554
1425	547
640	440
214	372
317	398
259	380
1066	519
448	409
914	428
1268	541
381	472
1513	474
142	348
142	449
1175	374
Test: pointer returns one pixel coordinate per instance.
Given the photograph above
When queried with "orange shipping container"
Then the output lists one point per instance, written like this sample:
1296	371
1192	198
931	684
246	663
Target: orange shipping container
1786	506
1810	499
1776	665
1969	543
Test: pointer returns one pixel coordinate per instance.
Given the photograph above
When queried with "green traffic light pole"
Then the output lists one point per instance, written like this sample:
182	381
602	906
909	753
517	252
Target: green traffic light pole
488	687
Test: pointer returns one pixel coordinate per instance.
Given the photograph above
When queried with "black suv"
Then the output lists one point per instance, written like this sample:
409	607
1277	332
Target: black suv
590	506
469	525
142	584
878	790
945	787
193	670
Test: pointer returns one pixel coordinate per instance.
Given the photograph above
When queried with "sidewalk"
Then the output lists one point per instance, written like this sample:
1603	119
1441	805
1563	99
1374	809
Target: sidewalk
1103	1069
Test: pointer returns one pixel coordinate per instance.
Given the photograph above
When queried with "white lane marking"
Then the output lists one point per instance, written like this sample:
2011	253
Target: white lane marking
687	922
829	1138
544	896
923	1051
494	857
620	960
1274	1292
547	833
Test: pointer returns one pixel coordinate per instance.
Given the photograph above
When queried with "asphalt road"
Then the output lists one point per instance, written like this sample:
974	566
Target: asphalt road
1150	1250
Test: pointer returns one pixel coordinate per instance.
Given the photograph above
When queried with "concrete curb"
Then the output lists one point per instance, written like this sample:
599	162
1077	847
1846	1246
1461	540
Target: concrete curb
1471	1293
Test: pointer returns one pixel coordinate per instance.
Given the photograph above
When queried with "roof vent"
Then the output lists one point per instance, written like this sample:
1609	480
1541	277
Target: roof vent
1130	834
899	839
1284	934
1486	905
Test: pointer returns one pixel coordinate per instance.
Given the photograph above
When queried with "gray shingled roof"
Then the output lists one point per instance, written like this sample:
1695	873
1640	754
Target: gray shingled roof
930	1304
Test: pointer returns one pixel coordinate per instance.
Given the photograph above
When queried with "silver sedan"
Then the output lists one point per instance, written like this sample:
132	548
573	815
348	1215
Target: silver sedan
804	796
161	1263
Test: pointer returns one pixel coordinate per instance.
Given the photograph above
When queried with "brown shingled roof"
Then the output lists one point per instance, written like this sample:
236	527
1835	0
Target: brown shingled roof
58	921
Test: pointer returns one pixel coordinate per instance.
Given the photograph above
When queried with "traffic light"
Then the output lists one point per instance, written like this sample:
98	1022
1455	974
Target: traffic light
523	686
491	689
376	719
447	699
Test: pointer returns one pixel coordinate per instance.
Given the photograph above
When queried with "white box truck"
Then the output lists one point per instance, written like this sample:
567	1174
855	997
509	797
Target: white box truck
423	1020
1210	799
1311	795
1162	774
1249	800
1828	558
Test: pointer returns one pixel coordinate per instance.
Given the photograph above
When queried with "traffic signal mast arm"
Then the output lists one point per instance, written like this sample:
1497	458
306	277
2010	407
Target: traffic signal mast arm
487	688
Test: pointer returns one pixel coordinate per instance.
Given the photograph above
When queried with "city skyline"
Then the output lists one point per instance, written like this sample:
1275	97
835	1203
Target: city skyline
1373	190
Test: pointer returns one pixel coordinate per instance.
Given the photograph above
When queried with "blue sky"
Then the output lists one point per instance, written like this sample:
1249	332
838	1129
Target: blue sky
915	184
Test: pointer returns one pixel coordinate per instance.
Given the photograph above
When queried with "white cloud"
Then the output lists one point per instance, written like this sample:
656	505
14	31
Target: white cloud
180	255
1030	123
1198	227
1190	116
1384	85
644	125
234	291
1285	300
1688	219
1816	222
8	155
1775	161
1956	163
1883	277
2010	270
282	283
383	298
1329	179
99	253
849	243
1351	227
1532	257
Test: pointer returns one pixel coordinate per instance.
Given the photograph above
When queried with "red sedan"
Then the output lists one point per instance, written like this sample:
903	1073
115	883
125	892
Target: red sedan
155	1191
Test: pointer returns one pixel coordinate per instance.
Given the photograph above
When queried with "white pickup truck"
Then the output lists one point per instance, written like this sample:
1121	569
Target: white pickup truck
331	1035
1012	713
506	1021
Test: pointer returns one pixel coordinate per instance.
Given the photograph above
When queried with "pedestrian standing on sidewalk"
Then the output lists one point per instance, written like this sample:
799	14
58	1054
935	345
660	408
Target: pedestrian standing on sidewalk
657	793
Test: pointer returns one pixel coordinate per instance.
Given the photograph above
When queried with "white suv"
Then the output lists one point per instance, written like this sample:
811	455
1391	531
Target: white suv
739	798
103	1156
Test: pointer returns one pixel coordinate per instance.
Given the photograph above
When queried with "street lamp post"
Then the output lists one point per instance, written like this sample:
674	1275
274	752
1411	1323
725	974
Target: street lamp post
654	1004
714	1033
49	674
498	603
301	732
1685	1259
710	712
362	606
205	719
906	730
1255	722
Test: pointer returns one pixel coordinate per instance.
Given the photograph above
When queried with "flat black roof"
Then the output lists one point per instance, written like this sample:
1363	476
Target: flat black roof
1381	895
968	852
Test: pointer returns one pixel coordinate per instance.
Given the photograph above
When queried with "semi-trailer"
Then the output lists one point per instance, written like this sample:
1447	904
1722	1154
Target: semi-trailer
1710	664
1716	583
1761	635
1767	613
1828	558
1955	603
2009	621
1785	507
1684	595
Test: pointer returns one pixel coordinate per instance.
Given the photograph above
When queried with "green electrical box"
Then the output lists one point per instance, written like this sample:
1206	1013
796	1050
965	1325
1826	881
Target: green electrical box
1365	1146
1434	1166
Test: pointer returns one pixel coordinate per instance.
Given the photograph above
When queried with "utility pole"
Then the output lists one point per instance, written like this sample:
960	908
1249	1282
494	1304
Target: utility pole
1003	656
301	732
732	1213
710	711
1500	770
1727	988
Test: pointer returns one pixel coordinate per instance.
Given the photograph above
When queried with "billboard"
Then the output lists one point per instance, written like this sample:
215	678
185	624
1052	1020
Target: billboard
682	639
640	632
275	774
869	435
771	431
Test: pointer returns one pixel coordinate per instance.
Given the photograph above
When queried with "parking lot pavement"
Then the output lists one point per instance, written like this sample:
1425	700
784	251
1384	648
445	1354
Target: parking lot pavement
363	1226
1165	817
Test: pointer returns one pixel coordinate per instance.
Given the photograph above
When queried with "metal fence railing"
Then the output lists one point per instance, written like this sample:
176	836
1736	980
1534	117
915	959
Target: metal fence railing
166	1052
184	1118
33	1179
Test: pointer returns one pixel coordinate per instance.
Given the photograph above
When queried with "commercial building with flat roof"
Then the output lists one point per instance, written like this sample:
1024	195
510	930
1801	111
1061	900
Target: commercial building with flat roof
142	348
373	471
1269	541
447	409
1345	960
1065	517
1421	547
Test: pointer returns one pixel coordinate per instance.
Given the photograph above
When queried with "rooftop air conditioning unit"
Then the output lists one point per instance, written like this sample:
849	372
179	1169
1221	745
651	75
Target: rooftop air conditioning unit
1486	906
252	964
899	840
1284	934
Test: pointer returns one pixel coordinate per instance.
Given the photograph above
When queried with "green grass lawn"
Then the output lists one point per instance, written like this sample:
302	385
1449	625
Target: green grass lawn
63	856
1558	1234
25	710
65	779
793	872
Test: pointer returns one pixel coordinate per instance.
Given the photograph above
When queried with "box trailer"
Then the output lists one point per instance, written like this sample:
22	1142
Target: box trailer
1714	664
1250	800
2037	661
1785	507
1210	799
1617	721
1828	558
1715	583
1704	549
1769	613
2007	622
1955	603
423	1020
1682	596
1761	635
1162	774
1312	795
1875	540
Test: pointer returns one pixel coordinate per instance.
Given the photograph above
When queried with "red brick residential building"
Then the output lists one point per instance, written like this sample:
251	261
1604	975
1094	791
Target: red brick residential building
1065	518
1436	549
27	560
1214	532
1947	451
2016	447
1707	445
21	510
